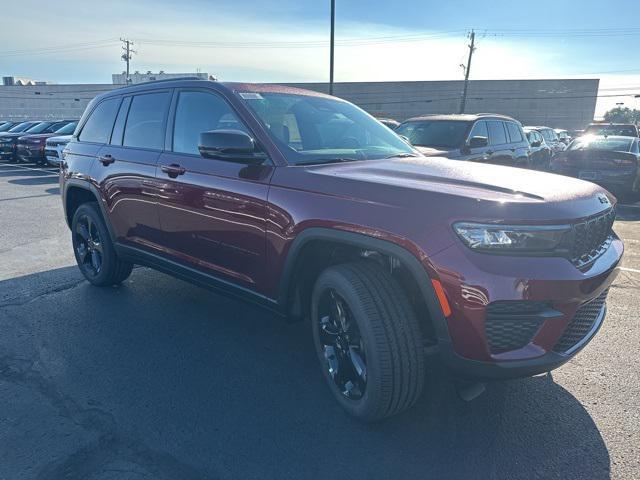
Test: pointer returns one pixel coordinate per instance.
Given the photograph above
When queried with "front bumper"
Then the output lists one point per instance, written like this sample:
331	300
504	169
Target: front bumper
29	154
474	281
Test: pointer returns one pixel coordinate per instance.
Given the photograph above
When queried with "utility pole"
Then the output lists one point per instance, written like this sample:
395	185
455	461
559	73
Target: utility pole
333	27
127	55
467	70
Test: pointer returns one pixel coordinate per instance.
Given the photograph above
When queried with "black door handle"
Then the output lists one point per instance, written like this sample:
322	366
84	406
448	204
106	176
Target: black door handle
173	170
106	160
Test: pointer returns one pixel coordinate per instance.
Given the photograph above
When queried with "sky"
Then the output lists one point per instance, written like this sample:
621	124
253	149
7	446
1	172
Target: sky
77	41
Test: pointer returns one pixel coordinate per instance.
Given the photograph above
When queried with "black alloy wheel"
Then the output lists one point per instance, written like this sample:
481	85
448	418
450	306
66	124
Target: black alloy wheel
89	249
342	344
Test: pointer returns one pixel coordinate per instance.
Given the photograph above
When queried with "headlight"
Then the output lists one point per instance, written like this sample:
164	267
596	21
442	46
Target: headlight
511	238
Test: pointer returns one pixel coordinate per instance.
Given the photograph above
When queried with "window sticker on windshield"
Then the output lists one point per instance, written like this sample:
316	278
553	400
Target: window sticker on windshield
251	96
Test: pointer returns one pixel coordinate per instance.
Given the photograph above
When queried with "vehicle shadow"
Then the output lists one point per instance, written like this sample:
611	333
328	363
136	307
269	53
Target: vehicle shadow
235	392
49	180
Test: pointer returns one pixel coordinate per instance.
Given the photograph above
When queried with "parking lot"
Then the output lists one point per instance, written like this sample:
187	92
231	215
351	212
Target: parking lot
161	379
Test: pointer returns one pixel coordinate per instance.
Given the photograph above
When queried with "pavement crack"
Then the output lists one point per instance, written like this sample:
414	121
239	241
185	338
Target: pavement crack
19	300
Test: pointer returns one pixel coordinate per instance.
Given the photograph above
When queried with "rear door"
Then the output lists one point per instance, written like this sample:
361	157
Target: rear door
500	151
212	211
519	144
126	168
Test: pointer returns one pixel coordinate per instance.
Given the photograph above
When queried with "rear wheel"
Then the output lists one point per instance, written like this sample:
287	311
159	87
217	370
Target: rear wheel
368	340
93	249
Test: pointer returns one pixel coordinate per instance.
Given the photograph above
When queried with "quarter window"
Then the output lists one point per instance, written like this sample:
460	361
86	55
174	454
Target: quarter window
199	112
514	132
497	135
97	128
145	122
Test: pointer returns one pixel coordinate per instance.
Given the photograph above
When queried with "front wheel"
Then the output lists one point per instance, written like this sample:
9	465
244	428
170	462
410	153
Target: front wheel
367	339
93	248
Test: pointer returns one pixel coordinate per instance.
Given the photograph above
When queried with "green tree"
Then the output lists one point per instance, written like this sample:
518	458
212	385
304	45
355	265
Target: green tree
622	115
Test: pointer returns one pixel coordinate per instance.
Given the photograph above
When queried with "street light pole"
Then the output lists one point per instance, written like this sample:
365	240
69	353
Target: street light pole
333	27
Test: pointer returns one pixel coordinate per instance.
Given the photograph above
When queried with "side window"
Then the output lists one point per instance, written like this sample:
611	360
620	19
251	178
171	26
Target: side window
514	132
199	112
497	135
479	130
118	129
98	127
144	128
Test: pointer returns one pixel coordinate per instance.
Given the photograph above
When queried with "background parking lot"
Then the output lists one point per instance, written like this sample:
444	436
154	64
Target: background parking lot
161	379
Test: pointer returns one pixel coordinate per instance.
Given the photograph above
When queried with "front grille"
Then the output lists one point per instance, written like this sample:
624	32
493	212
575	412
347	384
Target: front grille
510	325
51	153
591	238
581	324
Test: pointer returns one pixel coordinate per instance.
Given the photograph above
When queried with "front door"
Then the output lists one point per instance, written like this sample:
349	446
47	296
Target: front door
212	212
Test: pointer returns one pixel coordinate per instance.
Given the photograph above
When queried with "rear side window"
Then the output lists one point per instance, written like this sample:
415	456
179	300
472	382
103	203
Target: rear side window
497	135
514	132
145	122
199	112
98	127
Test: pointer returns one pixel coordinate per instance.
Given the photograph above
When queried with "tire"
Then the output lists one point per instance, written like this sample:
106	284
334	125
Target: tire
387	340
93	248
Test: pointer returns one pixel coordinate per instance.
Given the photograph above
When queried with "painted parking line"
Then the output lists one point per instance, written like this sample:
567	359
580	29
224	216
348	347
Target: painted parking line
625	269
39	170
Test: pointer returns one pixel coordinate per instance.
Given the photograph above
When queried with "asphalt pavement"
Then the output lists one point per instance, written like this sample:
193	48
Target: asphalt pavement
161	379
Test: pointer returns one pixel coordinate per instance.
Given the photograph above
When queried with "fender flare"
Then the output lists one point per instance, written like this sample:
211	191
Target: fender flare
367	242
84	185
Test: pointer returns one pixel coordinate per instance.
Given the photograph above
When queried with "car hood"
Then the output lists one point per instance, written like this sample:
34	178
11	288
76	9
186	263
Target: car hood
476	185
9	136
38	135
59	138
434	152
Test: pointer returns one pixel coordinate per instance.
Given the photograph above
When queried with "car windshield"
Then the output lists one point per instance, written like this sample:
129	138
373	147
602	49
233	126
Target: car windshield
549	135
314	129
435	133
39	127
21	127
5	127
602	143
623	130
67	129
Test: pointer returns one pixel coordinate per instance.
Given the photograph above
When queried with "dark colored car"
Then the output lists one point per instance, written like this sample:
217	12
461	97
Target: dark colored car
8	139
7	126
306	205
620	129
31	147
389	122
551	138
486	138
611	161
541	153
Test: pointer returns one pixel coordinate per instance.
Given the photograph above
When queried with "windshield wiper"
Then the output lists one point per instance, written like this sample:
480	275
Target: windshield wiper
402	155
321	161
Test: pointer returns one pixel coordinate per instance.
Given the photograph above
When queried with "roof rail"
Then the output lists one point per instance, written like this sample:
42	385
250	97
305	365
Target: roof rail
164	80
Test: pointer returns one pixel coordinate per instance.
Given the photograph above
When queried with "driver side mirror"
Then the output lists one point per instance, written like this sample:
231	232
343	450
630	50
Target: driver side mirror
230	145
477	142
537	143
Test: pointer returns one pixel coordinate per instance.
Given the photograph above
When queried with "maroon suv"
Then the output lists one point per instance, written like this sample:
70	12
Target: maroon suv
305	204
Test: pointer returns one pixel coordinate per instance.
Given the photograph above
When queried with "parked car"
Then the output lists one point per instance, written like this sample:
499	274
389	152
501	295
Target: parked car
610	161
54	146
486	138
30	147
7	126
550	137
310	207
541	153
8	147
563	135
389	122
624	129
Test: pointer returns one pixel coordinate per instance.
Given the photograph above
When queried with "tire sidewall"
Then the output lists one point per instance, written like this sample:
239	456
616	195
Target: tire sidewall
362	408
108	253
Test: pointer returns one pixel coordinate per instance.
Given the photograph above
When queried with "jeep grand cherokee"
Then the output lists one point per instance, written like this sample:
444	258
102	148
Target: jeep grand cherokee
305	204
